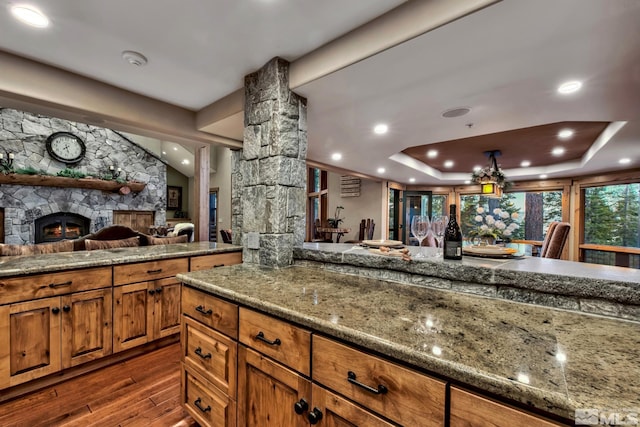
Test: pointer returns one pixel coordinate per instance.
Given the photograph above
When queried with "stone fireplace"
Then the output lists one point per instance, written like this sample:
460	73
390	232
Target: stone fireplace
24	134
60	226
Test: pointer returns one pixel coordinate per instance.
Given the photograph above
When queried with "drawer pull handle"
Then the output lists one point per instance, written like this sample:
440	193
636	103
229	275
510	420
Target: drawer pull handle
200	309
300	406
218	265
261	337
154	271
198	402
152	291
66	308
158	290
55	310
314	416
59	285
198	351
351	377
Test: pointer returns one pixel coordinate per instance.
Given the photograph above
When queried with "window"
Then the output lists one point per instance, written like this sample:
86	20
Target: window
611	215
317	200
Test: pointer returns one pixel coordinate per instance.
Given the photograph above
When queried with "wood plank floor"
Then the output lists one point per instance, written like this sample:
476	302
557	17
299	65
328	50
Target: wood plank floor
143	391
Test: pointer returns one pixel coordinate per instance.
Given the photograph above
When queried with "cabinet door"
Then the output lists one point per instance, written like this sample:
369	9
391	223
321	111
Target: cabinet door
339	412
132	315
86	326
30	340
166	309
267	392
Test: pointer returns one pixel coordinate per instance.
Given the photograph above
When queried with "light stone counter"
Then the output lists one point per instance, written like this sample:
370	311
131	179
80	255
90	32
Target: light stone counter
551	359
31	264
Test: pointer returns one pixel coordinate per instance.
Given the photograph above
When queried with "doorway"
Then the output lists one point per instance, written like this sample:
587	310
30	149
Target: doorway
414	203
213	215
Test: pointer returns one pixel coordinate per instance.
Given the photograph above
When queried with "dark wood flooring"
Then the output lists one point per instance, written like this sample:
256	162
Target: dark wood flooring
143	391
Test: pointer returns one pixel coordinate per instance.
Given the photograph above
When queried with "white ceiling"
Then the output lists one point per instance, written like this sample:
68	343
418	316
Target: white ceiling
504	62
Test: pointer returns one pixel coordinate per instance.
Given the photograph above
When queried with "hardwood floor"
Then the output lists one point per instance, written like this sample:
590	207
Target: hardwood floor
143	391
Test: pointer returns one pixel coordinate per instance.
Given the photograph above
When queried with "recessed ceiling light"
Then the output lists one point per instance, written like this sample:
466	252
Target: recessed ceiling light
448	164
381	170
569	87
185	162
336	156
558	151
543	176
30	16
175	148
134	58
456	112
525	163
476	168
624	161
381	128
164	152
565	133
412	180
432	154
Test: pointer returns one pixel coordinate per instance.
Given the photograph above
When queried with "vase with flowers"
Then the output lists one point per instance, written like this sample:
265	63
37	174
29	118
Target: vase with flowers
336	220
493	225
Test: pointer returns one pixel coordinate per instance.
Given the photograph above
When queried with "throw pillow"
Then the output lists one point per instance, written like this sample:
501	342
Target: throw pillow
167	240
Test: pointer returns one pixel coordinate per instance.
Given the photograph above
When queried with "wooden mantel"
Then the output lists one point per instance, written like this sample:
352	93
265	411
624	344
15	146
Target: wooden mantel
64	182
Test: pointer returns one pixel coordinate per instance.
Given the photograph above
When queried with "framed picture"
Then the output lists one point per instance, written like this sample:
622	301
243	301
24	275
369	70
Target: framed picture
174	198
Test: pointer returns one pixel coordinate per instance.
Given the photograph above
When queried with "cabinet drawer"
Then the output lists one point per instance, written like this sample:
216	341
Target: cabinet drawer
470	410
403	395
211	354
26	288
213	312
140	272
280	340
208	406
206	262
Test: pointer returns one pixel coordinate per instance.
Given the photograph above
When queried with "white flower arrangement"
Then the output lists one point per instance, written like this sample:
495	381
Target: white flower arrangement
499	224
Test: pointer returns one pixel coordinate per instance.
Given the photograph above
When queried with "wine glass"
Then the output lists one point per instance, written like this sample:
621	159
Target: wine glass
420	227
438	225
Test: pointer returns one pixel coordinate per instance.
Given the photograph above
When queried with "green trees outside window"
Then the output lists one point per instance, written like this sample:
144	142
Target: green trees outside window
612	215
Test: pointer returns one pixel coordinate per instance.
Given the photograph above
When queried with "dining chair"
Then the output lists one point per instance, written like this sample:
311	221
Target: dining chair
554	241
367	226
319	237
226	236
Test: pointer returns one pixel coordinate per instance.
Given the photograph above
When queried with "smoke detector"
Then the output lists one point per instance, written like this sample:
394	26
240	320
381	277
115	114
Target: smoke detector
134	58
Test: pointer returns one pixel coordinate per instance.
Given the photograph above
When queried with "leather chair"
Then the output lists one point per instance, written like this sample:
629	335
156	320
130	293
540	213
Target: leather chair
367	226
226	236
554	241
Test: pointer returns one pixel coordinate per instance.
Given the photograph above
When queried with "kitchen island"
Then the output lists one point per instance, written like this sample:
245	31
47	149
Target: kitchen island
542	359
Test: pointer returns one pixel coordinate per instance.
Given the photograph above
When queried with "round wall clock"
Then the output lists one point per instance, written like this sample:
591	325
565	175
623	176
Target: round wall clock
66	147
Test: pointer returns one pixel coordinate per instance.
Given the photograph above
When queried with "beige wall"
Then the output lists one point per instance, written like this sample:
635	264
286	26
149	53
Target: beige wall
176	179
370	204
222	180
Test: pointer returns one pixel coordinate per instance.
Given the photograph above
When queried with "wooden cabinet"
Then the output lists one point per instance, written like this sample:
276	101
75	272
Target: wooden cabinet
144	312
339	412
137	220
471	410
205	262
268	391
43	336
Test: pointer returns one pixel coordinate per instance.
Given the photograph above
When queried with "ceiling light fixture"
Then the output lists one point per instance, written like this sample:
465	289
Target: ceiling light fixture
412	180
491	178
134	58
569	87
565	133
432	154
558	151
543	176
624	161
456	112
448	164
336	156
30	16
175	148
476	168
525	163
381	170
381	128
185	162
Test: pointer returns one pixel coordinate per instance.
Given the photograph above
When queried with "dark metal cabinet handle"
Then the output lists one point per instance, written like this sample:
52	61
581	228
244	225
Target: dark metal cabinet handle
158	290
261	337
198	351
152	291
55	310
218	265
200	309
300	406
351	377
154	271
66	309
314	416
59	285
198	402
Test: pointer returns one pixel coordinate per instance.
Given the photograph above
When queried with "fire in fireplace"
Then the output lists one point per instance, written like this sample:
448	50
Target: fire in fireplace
61	226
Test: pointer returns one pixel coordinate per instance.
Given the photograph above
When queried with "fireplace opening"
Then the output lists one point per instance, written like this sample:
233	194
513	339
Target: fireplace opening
61	226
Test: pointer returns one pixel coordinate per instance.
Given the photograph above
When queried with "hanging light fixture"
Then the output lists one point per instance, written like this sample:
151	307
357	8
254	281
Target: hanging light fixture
491	178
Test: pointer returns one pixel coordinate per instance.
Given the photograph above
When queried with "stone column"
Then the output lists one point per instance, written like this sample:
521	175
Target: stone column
269	173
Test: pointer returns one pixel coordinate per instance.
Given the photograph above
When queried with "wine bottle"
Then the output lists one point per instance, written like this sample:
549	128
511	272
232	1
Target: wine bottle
452	237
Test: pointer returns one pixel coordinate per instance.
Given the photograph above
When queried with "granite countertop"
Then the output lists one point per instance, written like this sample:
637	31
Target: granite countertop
551	359
29	264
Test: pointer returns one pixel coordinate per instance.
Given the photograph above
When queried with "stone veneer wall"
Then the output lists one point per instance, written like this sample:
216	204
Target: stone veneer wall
269	173
24	134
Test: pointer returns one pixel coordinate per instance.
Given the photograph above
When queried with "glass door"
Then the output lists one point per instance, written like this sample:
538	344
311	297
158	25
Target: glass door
213	216
414	203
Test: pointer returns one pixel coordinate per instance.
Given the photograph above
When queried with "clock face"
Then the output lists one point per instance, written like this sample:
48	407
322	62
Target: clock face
66	147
